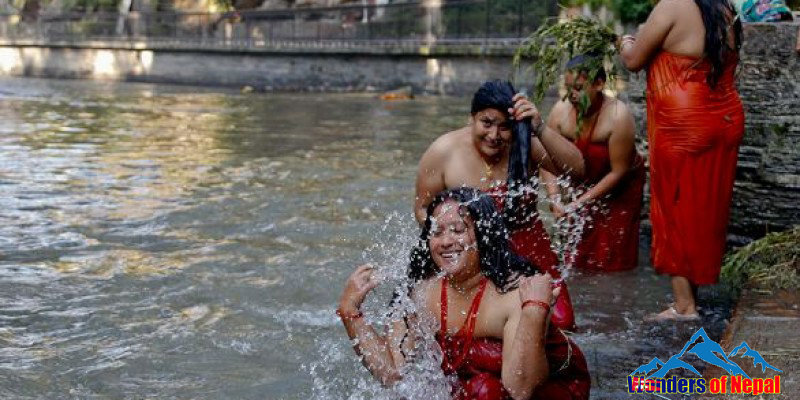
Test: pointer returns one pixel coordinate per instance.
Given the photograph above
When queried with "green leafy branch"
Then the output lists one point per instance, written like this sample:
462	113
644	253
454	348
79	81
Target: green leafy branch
554	43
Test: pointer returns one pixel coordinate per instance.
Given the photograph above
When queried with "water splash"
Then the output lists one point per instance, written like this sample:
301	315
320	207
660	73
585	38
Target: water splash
422	374
566	232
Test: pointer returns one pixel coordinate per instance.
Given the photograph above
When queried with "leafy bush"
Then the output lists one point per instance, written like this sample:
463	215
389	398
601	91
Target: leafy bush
772	262
628	11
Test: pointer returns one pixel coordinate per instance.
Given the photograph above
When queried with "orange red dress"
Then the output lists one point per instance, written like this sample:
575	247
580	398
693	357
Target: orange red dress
478	362
610	240
694	133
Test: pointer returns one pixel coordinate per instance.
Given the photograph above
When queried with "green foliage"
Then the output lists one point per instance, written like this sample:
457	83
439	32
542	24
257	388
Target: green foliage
772	262
553	44
632	11
628	11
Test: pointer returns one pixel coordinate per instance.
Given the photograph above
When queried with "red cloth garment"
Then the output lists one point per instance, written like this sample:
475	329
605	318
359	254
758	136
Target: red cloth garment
478	362
610	238
529	239
694	133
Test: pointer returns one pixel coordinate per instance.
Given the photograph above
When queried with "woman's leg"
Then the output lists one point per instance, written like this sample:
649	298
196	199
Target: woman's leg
685	307
685	294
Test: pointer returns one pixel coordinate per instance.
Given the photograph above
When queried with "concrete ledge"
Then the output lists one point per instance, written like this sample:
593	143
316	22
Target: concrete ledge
768	323
503	48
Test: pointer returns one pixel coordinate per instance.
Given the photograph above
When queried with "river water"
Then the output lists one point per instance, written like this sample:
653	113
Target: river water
189	243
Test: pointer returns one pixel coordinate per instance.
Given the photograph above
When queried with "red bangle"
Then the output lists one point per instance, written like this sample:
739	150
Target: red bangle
349	317
539	303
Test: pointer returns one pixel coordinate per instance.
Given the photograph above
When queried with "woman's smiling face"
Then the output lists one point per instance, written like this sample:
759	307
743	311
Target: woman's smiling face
452	240
491	132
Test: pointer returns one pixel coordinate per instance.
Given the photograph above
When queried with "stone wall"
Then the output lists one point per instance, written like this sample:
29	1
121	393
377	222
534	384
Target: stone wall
767	192
436	70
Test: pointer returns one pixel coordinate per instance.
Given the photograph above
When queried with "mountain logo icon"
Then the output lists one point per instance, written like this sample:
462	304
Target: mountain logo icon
708	351
757	359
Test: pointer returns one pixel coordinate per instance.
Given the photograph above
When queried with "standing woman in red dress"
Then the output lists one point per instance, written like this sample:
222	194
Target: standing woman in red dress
695	123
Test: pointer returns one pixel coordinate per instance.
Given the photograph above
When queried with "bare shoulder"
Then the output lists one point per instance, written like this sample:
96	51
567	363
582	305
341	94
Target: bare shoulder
621	120
507	301
619	110
672	9
670	6
557	114
560	108
445	143
422	290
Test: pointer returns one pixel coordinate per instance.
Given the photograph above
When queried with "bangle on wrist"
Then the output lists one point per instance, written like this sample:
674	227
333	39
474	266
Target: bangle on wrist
349	316
536	129
537	303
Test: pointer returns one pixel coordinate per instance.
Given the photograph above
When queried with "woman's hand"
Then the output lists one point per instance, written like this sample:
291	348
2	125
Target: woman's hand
523	108
537	288
358	285
557	209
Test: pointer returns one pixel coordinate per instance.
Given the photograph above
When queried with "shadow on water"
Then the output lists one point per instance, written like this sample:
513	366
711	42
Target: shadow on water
179	242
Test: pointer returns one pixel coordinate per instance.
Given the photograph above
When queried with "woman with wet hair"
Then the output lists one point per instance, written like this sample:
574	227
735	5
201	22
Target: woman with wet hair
493	311
695	123
504	143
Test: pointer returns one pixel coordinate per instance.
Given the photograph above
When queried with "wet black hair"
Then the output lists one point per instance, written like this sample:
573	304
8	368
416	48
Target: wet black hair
589	63
498	262
717	16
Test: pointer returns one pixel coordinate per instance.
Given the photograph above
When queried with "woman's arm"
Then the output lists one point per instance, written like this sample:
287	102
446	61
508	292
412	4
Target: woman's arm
379	354
430	178
621	150
550	183
547	178
635	54
524	361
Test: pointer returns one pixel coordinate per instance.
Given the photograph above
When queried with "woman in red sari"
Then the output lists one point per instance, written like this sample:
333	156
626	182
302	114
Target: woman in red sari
505	140
695	123
492	307
614	174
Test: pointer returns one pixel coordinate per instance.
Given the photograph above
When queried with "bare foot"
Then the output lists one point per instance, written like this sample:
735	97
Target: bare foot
671	314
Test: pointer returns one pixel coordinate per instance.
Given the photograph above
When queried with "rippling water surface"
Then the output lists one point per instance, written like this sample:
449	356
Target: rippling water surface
180	242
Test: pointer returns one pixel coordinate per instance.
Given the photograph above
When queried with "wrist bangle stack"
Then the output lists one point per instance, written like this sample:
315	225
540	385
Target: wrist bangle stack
349	316
627	39
537	303
537	129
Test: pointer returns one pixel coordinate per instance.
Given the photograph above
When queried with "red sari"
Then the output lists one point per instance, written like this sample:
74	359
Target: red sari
529	239
694	133
610	240
478	362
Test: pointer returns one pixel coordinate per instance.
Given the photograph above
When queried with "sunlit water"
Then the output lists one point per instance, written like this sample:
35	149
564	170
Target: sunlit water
179	242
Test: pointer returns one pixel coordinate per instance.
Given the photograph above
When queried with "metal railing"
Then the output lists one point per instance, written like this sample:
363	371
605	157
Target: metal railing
451	22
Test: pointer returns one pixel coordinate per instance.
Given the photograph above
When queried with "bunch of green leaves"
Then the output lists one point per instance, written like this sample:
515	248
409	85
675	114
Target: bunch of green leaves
772	262
547	50
632	11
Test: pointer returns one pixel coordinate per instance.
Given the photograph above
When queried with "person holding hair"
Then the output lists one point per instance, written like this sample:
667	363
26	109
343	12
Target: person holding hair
503	143
614	174
492	307
695	123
